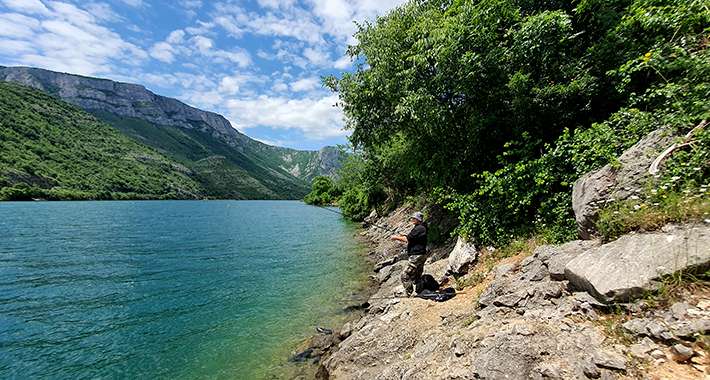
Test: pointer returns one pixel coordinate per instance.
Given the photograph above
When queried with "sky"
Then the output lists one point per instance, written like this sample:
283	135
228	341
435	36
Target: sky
256	62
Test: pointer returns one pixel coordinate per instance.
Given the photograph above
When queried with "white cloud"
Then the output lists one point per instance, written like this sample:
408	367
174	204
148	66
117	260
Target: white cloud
316	56
338	16
190	4
162	51
60	36
292	22
276	4
15	47
343	62
27	6
306	84
316	118
15	25
133	3
102	11
175	37
202	43
279	86
240	57
232	84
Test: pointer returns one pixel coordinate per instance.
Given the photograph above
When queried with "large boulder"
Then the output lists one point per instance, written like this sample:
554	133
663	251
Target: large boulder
616	182
462	257
632	265
556	257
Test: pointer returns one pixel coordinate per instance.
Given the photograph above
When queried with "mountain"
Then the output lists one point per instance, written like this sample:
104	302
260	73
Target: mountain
226	162
51	149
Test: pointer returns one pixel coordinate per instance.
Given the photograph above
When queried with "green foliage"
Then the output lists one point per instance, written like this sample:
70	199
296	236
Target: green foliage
252	172
323	192
52	150
652	213
358	187
498	106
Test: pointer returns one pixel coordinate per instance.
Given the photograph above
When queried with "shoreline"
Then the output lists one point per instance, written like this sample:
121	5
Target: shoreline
518	317
310	353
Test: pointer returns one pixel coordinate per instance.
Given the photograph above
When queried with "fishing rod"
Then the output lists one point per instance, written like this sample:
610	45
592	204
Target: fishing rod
369	223
424	296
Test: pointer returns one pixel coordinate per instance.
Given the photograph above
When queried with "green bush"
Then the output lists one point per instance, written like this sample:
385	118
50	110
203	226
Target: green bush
323	192
498	106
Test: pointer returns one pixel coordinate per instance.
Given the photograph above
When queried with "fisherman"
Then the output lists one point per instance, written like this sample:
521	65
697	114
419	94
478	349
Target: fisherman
416	251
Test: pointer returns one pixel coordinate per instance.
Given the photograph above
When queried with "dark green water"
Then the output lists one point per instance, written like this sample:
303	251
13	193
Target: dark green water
219	289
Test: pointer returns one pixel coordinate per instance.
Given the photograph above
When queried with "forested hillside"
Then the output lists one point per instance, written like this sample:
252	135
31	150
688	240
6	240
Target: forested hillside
494	108
227	163
52	150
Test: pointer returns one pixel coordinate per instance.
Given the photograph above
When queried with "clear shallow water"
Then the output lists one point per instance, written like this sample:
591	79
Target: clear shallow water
169	289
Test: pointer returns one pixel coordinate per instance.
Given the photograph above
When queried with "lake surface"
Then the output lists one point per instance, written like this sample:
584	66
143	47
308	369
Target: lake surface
169	289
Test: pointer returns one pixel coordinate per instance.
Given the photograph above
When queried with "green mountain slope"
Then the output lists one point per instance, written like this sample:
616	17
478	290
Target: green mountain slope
223	171
51	149
227	163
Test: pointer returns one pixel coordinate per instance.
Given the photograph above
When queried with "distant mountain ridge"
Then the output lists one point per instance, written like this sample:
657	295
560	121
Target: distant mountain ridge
229	163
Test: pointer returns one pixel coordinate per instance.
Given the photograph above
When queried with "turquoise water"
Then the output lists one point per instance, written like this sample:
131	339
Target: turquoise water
168	289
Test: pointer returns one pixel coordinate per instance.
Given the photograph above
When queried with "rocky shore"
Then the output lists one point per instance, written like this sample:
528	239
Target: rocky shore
533	316
635	307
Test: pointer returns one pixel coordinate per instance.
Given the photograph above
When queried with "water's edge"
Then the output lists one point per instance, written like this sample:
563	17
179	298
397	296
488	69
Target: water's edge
309	367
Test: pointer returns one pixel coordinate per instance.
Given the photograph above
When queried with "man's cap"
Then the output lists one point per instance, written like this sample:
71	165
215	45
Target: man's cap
418	216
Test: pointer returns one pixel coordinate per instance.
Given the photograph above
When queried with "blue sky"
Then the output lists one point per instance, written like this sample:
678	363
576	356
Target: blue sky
257	62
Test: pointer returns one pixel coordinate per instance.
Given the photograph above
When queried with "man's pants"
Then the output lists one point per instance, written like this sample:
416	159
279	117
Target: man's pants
412	274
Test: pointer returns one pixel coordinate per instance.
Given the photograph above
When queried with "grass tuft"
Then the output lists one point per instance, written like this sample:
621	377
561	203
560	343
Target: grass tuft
637	215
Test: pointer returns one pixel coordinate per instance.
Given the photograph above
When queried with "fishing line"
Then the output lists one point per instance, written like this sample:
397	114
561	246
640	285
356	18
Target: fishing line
423	296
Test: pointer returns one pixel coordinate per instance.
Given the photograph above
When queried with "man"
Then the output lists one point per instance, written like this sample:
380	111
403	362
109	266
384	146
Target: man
416	250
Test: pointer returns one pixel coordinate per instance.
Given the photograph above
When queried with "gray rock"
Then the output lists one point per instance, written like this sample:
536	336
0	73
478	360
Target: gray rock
636	326
556	257
690	328
510	300
610	360
681	353
642	349
462	257
536	271
679	310
547	371
346	330
626	268
585	298
595	189
658	354
590	369
503	269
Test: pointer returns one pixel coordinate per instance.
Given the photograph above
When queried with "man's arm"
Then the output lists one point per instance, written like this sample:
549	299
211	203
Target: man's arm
401	238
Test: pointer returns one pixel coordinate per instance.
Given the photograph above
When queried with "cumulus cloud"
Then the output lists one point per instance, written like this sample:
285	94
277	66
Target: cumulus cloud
61	36
306	84
162	51
317	118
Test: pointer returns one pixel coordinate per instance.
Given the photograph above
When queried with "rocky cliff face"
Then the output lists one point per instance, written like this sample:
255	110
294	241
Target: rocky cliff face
124	99
135	101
